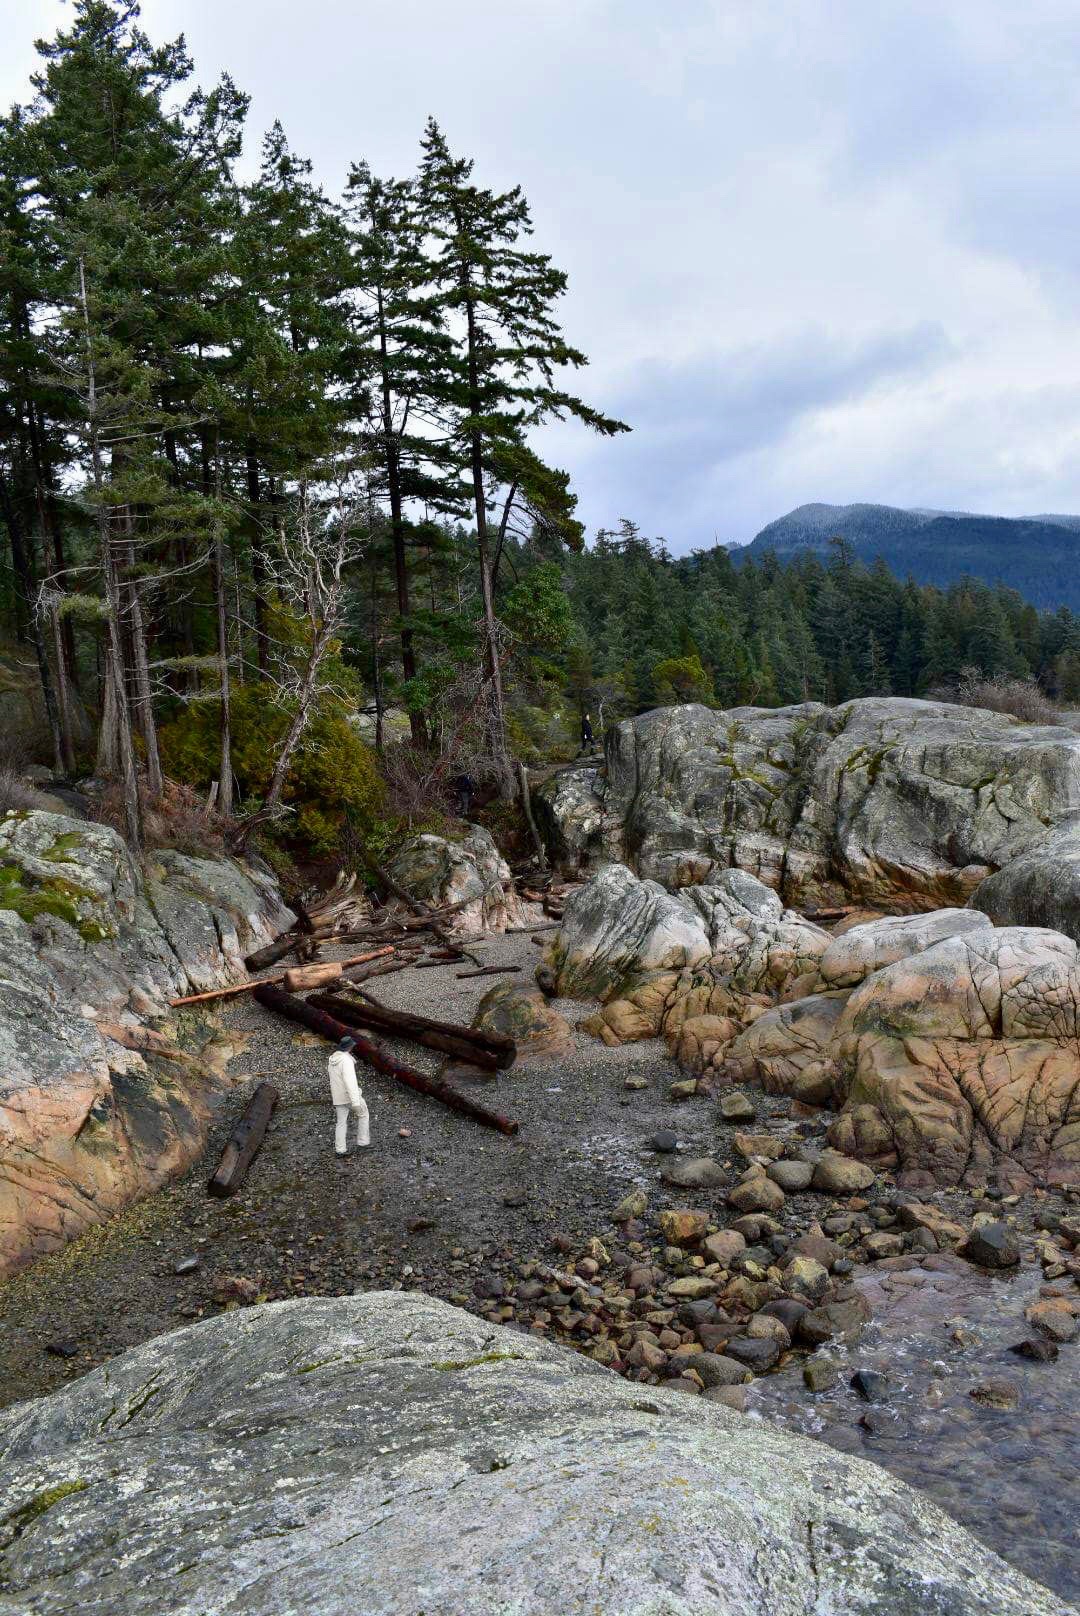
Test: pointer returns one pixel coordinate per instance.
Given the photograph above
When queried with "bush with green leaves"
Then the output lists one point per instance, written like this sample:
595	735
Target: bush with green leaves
333	784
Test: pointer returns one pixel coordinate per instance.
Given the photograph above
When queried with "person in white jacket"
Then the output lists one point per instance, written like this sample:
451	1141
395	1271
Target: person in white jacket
346	1096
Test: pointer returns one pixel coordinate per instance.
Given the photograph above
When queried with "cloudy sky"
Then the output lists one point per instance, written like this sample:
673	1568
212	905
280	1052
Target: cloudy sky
817	249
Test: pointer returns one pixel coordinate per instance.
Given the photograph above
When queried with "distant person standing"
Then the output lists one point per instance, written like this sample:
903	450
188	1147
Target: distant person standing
346	1097
464	788
586	732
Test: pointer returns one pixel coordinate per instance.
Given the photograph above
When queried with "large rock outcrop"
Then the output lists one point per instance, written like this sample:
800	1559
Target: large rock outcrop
98	1103
390	1455
471	876
904	804
965	1054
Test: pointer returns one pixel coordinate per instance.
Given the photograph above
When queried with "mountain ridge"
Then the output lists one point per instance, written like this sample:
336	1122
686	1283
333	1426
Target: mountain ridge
1037	555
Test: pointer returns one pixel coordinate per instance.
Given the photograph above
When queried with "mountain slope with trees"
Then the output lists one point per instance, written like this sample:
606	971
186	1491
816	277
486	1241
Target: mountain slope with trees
1036	555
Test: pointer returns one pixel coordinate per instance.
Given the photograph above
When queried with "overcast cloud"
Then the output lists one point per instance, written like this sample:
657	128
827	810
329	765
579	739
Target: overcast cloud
818	249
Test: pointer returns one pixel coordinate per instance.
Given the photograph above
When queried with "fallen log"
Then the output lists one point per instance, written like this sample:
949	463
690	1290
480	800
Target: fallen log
492	1050
302	976
272	998
488	970
244	1141
364	973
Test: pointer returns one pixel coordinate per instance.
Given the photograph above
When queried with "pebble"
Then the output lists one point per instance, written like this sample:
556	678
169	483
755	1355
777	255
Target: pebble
792	1176
62	1349
633	1205
665	1140
700	1173
186	1265
683	1227
841	1175
730	1396
757	1194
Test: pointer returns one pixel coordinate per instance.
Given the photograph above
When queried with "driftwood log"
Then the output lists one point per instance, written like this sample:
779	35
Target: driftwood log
488	970
272	998
491	1050
244	1141
422	910
301	977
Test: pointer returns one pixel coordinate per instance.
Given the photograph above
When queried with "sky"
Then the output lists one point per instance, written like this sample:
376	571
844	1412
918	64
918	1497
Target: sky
817	249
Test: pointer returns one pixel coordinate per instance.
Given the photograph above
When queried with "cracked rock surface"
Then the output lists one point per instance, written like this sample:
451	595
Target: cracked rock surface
97	1106
390	1454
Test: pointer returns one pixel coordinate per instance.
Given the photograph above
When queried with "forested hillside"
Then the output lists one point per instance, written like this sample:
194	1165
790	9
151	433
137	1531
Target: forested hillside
275	524
1036	555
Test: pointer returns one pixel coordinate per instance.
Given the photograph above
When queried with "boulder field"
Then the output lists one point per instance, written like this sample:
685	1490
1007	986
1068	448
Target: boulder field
98	1100
388	1453
947	1037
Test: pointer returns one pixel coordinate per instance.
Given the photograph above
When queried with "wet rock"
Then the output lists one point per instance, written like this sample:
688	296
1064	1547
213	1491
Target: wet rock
789	1310
871	1385
1054	1320
834	1321
756	1194
699	1173
841	1175
792	1176
755	1227
734	1397
925	1216
717	1369
736	1107
757	1353
993	1245
997	1393
1037	1348
766	1327
806	1278
819	1374
880	1246
683	1227
814	1244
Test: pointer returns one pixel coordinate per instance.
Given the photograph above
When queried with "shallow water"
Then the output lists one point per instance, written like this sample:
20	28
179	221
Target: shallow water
1011	1477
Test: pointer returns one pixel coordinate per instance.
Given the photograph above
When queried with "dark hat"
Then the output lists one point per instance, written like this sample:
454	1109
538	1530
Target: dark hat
347	1044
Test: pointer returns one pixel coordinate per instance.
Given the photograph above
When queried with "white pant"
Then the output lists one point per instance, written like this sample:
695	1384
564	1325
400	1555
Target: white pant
341	1132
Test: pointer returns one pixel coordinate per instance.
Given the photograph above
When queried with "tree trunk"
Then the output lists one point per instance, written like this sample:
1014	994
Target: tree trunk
258	567
24	574
397	529
493	670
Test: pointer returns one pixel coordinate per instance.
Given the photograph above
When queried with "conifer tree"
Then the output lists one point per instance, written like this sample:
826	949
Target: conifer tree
499	298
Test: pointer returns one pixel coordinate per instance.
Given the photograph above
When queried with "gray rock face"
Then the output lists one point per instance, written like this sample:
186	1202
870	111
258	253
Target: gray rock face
387	1454
95	1108
471	873
886	799
1040	887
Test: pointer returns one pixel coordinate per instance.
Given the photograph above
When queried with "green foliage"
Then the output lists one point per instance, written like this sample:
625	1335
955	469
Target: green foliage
537	610
333	785
682	679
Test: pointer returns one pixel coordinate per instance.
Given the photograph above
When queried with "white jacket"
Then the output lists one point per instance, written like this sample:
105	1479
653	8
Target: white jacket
344	1089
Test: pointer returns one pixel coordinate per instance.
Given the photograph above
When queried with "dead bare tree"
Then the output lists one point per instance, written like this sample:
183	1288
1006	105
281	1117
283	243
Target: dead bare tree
308	568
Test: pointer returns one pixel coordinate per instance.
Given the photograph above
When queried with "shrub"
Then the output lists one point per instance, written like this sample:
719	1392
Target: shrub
1020	698
332	782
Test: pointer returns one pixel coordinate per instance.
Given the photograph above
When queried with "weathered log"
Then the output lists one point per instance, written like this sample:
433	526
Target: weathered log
492	1050
488	970
272	998
244	1141
304	976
